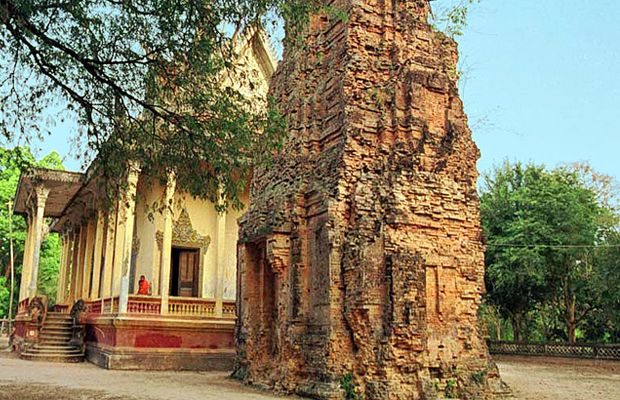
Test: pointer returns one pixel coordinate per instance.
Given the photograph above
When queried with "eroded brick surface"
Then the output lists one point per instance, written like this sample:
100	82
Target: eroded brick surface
361	252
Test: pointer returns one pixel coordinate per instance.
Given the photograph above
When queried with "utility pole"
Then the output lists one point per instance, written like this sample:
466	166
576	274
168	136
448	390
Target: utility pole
12	266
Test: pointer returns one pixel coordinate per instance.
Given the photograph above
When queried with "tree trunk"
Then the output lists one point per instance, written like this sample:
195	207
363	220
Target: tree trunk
498	326
569	314
571	321
516	329
545	326
526	328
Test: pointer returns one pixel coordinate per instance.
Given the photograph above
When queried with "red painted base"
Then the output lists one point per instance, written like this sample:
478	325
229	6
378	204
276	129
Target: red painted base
160	343
24	335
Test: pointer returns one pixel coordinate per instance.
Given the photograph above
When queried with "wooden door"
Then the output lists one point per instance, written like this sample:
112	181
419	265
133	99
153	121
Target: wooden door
188	273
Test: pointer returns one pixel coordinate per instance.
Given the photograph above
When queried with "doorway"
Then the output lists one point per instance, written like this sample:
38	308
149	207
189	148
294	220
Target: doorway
184	272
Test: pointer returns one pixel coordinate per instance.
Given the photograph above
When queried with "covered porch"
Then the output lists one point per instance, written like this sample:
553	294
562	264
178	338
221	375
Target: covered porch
186	318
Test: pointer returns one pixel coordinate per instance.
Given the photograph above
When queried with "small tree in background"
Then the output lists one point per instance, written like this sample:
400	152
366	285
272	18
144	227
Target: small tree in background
547	261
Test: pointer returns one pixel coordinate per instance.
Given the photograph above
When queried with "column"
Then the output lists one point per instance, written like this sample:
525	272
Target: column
220	248
88	258
42	193
129	205
75	253
79	267
66	277
166	246
106	290
68	263
98	251
119	236
26	263
62	270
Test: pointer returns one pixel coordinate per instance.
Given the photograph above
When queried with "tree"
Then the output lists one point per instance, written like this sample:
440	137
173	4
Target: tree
543	229
515	275
145	78
450	16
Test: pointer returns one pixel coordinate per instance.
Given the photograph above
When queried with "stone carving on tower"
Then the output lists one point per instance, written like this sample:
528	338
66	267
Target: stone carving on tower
361	256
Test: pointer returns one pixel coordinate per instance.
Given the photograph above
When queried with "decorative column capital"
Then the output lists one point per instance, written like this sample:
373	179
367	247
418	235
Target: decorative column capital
42	193
133	173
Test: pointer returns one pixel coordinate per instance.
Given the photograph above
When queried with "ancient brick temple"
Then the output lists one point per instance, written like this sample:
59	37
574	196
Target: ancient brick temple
360	264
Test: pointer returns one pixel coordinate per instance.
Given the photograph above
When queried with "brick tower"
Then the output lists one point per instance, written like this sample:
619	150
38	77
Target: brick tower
360	261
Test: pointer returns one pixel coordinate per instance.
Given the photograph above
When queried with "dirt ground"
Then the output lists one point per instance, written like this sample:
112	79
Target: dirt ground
530	379
546	378
28	380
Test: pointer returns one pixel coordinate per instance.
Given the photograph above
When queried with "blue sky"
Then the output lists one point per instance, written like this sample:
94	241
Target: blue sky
541	83
543	79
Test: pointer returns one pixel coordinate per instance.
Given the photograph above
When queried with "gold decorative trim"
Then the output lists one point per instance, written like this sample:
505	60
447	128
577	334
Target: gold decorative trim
183	233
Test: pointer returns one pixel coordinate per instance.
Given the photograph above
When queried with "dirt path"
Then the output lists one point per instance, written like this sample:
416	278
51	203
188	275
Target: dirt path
530	378
26	380
547	378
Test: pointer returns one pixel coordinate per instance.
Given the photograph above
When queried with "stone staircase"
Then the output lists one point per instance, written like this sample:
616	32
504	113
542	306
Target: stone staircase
54	341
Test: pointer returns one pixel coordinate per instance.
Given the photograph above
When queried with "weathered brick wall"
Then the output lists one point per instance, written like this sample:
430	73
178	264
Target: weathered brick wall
361	253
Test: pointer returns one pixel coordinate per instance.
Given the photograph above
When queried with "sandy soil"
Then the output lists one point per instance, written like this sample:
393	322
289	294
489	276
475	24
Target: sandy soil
546	378
530	378
27	380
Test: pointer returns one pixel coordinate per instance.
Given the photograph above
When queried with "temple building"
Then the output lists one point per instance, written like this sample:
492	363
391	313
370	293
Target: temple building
152	289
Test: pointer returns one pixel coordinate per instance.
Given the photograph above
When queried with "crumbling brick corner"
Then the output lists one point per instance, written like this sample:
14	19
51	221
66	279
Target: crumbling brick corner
360	260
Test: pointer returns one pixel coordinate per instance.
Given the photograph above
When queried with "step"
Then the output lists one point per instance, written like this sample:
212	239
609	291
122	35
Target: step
53	329
58	319
62	322
55	339
52	332
51	347
54	342
53	358
70	352
58	315
58	326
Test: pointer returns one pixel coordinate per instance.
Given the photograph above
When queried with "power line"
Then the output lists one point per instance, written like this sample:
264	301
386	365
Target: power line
555	246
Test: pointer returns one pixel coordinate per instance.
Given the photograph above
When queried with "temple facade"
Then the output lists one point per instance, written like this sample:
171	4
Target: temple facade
153	288
183	316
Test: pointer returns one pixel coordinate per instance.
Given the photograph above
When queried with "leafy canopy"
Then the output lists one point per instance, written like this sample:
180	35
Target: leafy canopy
549	235
147	79
150	80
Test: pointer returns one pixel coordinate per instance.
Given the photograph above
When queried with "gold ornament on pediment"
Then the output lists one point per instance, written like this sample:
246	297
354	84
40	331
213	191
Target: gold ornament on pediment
183	233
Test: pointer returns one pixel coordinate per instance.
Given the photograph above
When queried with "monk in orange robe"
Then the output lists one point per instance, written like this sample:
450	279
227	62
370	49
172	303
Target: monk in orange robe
143	285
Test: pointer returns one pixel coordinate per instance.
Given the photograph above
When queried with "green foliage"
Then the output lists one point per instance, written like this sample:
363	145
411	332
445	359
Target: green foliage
148	81
548	265
479	376
347	384
450	16
5	293
51	161
450	391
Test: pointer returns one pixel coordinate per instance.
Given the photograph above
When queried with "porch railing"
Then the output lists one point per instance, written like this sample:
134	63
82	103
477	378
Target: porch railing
191	307
151	305
229	309
143	305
